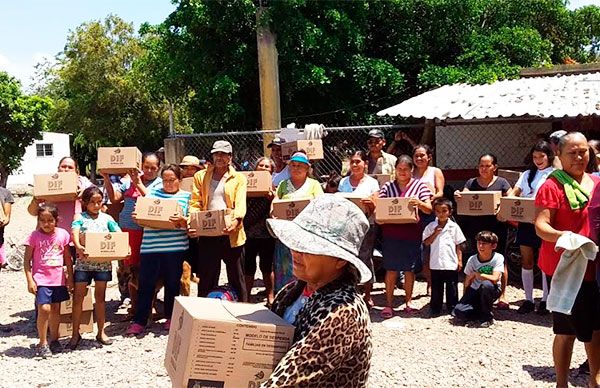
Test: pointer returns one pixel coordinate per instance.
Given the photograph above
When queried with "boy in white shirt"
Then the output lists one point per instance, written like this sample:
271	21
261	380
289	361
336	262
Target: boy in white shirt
482	283
444	236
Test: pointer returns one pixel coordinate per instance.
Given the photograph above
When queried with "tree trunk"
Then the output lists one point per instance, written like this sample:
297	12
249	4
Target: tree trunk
3	175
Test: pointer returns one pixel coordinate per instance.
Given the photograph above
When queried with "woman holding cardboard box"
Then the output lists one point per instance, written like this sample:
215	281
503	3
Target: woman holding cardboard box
402	242
67	210
360	184
298	186
162	252
487	181
259	241
332	339
540	160
221	187
138	185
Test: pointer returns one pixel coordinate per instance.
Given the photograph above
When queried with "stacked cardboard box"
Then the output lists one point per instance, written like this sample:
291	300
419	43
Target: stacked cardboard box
65	328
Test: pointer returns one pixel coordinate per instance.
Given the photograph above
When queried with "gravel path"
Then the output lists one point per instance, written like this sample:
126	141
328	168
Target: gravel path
410	350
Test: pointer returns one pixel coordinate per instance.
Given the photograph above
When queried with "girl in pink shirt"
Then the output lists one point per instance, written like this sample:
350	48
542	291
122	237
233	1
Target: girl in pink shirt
46	254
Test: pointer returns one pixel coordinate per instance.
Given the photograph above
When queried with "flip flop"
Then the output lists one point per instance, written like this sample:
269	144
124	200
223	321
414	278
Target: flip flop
386	313
503	306
409	310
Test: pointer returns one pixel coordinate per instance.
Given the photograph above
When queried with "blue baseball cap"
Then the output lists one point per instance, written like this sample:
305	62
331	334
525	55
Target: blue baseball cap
300	157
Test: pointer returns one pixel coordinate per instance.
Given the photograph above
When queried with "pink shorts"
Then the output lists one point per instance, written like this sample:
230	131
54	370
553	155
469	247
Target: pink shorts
2	255
135	243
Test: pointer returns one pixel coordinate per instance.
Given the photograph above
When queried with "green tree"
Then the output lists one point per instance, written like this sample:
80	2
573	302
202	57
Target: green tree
99	98
22	119
339	62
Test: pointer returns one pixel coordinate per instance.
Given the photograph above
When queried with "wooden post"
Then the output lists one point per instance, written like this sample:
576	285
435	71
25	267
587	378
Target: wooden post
268	72
174	150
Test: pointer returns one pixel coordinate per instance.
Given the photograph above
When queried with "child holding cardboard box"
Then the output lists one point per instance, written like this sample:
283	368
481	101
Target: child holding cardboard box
91	220
46	254
445	260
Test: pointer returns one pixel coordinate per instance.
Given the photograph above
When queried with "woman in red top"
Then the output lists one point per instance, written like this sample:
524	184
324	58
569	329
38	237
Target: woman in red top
556	217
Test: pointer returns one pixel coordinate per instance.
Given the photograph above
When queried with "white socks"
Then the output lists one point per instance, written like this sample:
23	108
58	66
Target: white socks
527	279
544	288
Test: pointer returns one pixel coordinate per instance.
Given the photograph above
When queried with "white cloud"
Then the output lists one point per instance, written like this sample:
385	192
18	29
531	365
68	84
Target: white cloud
24	69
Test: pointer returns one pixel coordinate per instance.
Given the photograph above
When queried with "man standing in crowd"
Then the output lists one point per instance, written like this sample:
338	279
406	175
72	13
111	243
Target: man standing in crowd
380	162
281	172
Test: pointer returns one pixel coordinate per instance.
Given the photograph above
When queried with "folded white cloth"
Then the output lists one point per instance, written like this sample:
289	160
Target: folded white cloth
569	273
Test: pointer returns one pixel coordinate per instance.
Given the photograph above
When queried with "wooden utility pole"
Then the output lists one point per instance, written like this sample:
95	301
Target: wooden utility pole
268	71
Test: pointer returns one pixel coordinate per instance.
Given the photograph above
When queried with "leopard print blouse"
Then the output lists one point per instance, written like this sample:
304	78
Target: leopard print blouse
332	341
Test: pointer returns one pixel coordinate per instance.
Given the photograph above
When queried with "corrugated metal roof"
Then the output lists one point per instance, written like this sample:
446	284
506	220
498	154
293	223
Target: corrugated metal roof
557	96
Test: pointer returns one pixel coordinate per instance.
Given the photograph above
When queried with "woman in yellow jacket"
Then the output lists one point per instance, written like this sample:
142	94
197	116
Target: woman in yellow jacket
221	187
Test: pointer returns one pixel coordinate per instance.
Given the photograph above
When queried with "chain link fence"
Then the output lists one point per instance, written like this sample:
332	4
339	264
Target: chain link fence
338	144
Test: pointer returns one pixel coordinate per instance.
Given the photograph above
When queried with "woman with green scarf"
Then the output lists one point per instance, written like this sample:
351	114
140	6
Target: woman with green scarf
562	204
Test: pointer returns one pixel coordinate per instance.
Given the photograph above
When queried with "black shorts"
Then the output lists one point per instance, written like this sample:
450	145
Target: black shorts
527	237
585	315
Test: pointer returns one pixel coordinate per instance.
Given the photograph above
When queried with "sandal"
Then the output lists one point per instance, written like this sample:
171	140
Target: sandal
73	345
502	305
409	310
386	313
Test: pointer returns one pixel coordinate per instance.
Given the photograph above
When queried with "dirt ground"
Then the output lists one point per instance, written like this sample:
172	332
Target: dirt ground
409	350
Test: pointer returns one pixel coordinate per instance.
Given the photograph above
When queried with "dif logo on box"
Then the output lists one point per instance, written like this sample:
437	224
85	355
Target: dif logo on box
516	210
107	245
395	208
117	157
475	204
55	184
156	209
252	180
292	211
209	221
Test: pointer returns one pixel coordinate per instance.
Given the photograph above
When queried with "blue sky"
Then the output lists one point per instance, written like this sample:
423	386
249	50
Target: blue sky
31	30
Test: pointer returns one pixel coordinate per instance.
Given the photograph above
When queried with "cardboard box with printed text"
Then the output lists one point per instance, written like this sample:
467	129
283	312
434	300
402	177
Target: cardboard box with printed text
395	211
118	160
210	223
517	209
288	209
57	187
313	149
155	212
66	307
107	246
217	343
259	183
478	203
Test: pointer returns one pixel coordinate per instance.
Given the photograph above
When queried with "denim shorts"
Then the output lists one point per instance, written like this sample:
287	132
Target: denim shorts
87	276
51	294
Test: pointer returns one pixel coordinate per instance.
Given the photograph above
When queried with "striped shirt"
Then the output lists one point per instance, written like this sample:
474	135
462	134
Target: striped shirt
130	195
167	240
415	188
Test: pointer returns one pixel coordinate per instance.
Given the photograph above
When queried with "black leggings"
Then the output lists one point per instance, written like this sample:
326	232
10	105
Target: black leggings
265	249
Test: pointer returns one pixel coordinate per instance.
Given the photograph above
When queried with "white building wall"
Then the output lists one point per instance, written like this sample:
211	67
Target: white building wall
32	164
459	146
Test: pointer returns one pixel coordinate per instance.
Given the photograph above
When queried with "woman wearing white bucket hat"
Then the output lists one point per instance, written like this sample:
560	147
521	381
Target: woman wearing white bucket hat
332	341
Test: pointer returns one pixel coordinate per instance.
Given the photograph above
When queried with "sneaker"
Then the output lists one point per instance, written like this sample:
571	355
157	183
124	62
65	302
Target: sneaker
167	325
542	310
584	369
55	347
486	324
43	351
135	329
527	307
